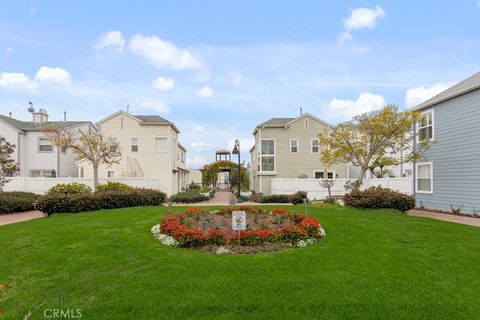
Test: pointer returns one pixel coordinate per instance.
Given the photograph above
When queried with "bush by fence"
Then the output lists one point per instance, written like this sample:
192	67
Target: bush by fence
379	198
62	203
16	201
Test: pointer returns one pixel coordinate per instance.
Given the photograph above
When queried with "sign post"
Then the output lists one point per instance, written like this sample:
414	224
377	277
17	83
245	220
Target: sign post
239	222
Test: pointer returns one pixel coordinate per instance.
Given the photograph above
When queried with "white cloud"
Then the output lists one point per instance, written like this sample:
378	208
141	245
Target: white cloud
197	161
205	92
53	75
110	40
163	54
9	50
163	84
155	105
198	128
416	96
365	102
17	81
202	146
360	18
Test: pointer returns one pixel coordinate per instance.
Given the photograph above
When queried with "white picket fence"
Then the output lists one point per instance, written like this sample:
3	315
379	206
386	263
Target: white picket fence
315	191
41	185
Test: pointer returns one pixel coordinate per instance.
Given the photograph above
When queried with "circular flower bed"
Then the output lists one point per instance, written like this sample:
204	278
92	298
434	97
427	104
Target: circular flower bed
211	231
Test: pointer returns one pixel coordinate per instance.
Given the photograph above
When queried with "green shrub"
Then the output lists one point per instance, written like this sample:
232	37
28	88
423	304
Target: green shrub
69	188
62	203
113	186
17	201
194	186
276	198
256	197
298	197
190	196
378	197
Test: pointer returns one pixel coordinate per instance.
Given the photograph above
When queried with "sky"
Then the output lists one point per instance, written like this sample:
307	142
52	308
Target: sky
218	68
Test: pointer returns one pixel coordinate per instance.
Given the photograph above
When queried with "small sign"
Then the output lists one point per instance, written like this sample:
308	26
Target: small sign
239	220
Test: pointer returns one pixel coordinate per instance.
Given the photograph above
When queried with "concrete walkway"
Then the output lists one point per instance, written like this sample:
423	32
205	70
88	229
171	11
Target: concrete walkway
19	217
445	217
222	198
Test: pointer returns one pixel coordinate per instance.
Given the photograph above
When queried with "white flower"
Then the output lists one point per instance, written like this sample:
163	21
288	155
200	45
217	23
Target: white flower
304	243
163	238
321	232
223	250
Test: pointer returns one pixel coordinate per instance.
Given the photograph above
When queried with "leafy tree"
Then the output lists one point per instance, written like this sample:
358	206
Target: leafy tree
92	145
7	165
371	137
210	173
381	163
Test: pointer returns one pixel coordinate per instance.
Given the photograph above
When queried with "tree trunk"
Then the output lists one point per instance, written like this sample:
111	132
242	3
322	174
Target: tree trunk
95	176
361	175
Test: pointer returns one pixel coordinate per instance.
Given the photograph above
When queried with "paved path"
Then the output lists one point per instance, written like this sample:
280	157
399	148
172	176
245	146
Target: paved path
445	217
19	217
222	198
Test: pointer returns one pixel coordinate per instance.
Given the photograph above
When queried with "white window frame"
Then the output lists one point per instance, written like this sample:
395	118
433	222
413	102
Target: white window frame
166	145
132	145
431	177
322	171
274	155
297	146
311	145
430	111
42	173
38	145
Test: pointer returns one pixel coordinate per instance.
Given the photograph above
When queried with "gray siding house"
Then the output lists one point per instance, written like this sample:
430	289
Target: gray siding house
449	174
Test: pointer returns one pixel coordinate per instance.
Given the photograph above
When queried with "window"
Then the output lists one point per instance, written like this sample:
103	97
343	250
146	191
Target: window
82	172
315	144
424	178
268	155
44	145
113	145
161	145
425	127
293	145
134	145
110	174
45	173
306	125
320	174
63	149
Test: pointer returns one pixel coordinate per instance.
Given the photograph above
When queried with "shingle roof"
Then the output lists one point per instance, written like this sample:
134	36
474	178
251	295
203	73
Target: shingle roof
276	122
30	126
152	119
460	88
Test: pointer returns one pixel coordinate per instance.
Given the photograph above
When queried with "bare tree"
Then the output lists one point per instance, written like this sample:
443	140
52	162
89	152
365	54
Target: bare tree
7	165
92	145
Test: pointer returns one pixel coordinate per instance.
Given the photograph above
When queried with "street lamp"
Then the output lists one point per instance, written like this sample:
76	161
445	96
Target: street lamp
236	150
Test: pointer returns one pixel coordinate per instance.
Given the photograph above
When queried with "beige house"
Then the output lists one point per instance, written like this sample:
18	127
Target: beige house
149	147
289	148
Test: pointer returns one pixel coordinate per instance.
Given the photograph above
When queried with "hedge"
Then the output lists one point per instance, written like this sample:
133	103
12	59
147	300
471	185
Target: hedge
69	188
190	196
62	203
113	186
17	201
379	198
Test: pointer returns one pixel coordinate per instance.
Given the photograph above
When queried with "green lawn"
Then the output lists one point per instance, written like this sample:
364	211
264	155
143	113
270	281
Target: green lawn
373	264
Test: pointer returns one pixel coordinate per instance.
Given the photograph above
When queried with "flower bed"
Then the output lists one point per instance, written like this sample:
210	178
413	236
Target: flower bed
212	230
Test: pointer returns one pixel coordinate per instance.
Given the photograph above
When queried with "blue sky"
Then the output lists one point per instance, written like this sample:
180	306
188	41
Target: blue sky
218	68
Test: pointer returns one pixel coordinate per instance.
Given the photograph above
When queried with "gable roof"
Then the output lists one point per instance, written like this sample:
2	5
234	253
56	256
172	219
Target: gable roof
285	122
32	126
152	120
467	85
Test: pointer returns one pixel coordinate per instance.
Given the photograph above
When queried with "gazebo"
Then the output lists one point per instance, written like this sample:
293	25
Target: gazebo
223	155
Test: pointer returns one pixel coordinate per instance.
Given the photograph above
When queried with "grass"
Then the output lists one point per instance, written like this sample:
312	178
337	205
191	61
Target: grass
373	264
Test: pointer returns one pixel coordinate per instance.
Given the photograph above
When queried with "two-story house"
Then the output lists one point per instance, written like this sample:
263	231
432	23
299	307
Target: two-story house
449	174
149	148
289	148
34	153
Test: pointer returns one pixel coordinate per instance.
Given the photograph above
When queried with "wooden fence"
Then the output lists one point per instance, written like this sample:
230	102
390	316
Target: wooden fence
315	191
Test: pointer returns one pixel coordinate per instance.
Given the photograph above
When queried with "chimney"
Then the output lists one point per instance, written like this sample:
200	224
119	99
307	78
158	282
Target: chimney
301	111
10	114
64	116
41	116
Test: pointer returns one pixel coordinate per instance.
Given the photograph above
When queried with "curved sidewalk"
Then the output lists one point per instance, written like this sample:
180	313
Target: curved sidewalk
19	217
475	222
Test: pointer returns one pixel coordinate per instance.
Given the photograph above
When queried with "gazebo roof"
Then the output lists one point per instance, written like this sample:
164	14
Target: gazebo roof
222	151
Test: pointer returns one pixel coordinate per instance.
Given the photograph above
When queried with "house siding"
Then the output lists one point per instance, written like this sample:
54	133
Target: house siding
455	155
289	165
